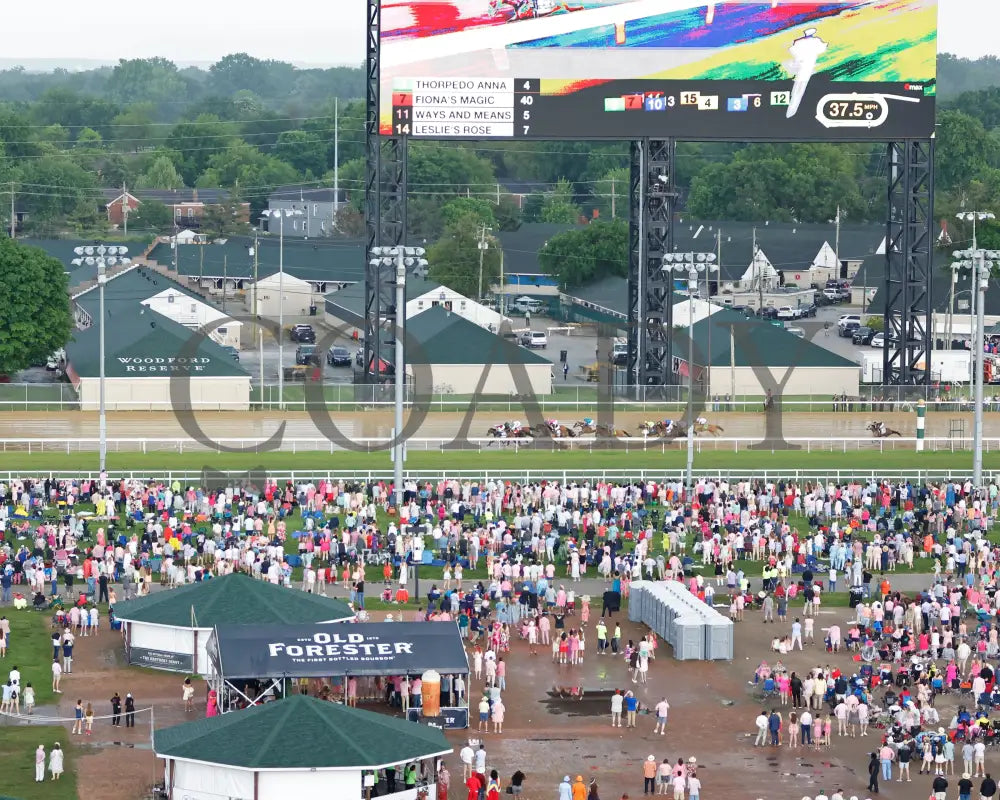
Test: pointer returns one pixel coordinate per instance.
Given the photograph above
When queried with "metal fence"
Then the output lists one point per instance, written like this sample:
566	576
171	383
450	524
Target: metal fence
210	477
806	444
565	397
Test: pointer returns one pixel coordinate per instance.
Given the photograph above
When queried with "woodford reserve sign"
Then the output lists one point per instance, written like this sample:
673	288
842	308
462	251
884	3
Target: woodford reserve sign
165	365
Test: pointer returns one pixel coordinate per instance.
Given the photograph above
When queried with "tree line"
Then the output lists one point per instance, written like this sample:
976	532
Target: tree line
248	125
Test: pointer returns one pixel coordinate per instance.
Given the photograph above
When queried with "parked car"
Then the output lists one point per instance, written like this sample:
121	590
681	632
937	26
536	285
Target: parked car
809	310
863	335
527	304
832	295
537	340
847	329
619	353
769	313
306	354
232	351
845	318
339	357
787	312
878	340
303	333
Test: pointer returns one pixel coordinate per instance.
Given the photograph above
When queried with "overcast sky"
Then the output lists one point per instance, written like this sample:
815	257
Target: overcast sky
318	32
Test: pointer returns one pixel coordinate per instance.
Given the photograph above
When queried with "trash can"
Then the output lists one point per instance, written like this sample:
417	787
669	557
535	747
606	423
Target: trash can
562	356
430	694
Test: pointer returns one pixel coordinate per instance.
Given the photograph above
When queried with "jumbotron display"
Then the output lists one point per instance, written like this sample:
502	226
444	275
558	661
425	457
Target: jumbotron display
625	69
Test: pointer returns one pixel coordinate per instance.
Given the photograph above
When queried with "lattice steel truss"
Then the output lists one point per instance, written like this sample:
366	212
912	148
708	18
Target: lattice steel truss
650	288
385	210
909	261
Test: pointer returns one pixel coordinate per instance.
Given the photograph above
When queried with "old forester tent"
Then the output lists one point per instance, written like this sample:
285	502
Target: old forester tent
170	630
270	654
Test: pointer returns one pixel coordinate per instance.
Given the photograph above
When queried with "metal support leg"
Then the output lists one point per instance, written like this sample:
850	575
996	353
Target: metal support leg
909	250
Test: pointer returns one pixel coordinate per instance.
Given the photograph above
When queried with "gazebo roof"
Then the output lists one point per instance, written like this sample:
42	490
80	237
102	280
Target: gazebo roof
234	599
301	732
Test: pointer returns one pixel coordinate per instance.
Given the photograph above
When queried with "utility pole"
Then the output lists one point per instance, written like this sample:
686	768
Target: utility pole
125	208
836	245
256	310
13	214
612	197
482	251
759	272
503	293
225	267
336	158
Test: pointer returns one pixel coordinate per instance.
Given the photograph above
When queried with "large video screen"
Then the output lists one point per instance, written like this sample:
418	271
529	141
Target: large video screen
625	69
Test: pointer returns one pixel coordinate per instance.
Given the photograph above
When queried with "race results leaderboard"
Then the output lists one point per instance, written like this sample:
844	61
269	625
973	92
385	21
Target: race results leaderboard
515	108
487	108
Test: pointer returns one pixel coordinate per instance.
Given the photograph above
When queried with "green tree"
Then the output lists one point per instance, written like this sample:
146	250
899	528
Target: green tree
161	174
222	220
88	137
611	193
559	207
198	142
445	169
594	251
304	151
151	215
243	166
35	316
138	80
508	214
454	259
66	184
468	210
963	151
133	127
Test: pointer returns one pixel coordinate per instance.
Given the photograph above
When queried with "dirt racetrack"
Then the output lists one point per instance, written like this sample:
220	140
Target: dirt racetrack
378	425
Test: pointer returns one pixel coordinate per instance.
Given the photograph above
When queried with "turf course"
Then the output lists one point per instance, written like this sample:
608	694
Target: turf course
755	460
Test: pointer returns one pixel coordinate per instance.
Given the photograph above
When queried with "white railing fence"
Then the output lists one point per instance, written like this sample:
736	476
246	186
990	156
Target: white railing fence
703	444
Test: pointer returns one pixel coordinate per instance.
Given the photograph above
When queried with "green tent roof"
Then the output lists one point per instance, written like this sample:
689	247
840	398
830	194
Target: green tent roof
234	599
438	336
142	343
754	342
284	734
336	260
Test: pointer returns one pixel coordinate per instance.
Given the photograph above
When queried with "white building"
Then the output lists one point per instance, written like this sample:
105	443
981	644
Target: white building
298	296
192	313
297	747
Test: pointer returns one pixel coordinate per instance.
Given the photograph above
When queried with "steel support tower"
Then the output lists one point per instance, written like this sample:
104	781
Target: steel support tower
909	249
652	197
385	211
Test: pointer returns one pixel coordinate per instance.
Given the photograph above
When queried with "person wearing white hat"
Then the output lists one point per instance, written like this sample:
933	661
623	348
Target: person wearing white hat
565	789
648	775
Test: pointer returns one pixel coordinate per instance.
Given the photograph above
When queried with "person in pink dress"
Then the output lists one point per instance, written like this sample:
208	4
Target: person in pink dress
212	705
585	611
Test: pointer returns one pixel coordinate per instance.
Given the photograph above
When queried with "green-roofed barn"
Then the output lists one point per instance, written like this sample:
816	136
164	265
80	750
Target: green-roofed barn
297	747
449	351
155	357
741	351
170	630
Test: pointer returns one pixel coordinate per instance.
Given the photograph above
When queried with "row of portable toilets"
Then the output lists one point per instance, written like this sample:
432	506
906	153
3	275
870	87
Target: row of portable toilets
695	630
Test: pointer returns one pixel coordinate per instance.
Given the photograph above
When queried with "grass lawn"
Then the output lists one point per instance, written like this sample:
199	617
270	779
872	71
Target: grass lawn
31	649
490	459
17	754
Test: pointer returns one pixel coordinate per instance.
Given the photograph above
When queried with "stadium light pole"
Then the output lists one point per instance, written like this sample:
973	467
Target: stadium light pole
693	264
280	214
981	263
398	258
102	257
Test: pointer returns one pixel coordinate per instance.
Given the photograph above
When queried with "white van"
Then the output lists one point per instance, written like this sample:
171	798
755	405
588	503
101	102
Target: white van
527	304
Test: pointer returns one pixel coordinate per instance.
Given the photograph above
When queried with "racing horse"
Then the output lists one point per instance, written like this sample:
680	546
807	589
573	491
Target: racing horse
880	430
557	431
708	427
589	426
674	430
